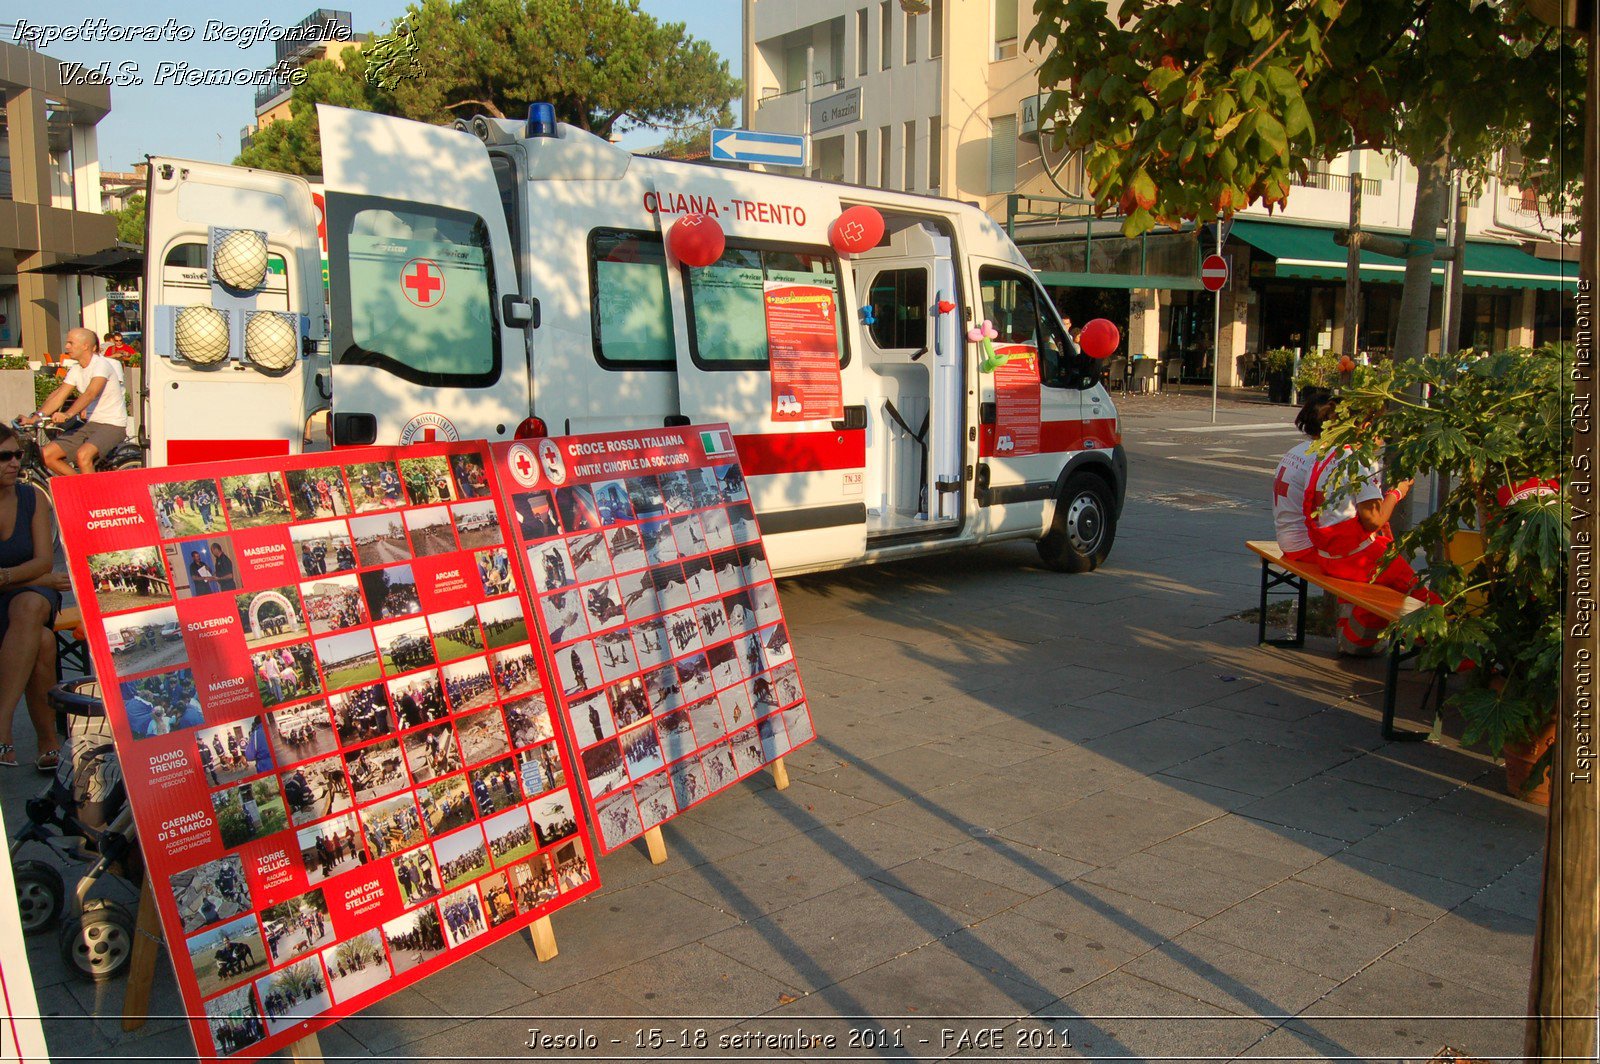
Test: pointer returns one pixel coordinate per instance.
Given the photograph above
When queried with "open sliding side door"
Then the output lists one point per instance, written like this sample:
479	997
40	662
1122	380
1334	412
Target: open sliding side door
768	349
232	379
429	337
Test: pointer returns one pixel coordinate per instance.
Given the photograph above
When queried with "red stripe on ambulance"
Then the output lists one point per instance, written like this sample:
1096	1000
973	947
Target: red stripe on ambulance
801	452
183	452
1057	437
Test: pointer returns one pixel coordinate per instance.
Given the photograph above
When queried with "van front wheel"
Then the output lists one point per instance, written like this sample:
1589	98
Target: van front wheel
1085	525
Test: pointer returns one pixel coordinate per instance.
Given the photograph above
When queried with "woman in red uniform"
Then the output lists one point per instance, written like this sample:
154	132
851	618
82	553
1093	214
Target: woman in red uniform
1344	515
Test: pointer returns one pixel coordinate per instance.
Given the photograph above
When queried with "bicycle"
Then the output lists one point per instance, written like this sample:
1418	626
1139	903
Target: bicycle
34	437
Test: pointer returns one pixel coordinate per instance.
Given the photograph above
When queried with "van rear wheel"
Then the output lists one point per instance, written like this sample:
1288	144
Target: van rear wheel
1085	525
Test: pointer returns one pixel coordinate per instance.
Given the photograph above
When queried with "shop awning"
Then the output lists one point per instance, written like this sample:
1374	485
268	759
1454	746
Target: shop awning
1309	251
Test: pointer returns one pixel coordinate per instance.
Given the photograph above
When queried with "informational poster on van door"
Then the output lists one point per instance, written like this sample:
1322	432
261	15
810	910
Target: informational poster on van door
1016	401
334	727
673	666
803	345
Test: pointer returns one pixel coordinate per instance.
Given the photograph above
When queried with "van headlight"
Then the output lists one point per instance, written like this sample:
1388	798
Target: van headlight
201	334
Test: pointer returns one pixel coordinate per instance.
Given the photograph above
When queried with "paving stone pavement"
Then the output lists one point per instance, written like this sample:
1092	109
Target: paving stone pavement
1071	809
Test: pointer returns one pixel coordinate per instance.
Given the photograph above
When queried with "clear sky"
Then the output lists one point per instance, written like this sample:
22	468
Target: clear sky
203	122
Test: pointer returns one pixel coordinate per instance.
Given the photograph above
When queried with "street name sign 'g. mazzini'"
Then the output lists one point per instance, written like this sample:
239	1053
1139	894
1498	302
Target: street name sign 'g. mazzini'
840	109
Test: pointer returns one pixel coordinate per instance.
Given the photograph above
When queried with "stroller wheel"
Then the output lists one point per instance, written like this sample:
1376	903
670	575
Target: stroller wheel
40	893
98	944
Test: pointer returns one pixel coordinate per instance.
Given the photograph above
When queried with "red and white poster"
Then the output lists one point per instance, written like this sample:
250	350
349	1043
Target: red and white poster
803	345
673	665
1016	400
332	721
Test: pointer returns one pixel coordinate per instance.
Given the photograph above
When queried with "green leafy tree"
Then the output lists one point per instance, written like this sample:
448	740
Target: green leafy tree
695	141
130	220
294	145
1187	111
605	65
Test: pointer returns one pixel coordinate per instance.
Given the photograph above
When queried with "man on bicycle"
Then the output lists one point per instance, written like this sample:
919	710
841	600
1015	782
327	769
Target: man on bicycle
101	401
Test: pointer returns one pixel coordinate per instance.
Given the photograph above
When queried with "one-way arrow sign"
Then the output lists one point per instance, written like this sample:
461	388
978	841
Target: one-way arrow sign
747	146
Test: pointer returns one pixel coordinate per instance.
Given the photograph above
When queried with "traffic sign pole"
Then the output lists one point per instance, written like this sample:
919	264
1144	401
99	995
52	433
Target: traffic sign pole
1214	276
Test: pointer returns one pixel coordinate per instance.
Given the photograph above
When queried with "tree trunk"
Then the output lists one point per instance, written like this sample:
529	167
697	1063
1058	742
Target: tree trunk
1566	951
1416	297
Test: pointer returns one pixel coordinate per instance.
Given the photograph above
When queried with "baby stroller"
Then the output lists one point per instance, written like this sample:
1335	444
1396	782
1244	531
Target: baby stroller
82	816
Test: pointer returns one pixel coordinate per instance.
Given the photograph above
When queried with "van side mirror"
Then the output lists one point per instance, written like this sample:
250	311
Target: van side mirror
523	313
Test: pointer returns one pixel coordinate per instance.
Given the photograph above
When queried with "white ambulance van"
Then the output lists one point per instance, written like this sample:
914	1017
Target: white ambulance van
499	279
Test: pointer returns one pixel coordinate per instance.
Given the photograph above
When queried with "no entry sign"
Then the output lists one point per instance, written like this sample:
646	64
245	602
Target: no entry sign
1214	273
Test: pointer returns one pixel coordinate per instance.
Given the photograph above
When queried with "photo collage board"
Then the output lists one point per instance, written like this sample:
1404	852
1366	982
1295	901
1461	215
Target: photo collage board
335	728
671	656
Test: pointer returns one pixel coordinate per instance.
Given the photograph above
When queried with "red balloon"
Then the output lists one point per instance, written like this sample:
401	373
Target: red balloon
1099	338
856	230
696	240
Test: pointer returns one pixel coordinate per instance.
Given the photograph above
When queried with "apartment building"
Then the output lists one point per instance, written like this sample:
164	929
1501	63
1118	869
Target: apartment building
942	96
50	206
323	34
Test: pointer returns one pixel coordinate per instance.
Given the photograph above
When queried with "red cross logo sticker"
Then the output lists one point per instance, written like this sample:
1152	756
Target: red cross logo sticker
523	464
422	282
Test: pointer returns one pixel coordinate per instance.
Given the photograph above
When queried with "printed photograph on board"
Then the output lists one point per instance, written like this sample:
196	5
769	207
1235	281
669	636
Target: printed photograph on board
210	893
536	515
446	805
376	771
455	633
249	811
374	486
528	720
270	616
348	658
472	480
234	751
256	500
330	847
315	493
234	1021
477	524
463	856
226	955
463	915
315	790
390	592
467	684
202	566
361	714
323	547
299	733
482	735
146	640
380	539
333	603
356	965
128	579
161	704
187	508
292	994
417	937
417	699
431	531
427	480
392	825
503	623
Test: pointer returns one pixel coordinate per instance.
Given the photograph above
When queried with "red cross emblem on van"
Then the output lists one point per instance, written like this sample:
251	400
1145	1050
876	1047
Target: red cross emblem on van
422	281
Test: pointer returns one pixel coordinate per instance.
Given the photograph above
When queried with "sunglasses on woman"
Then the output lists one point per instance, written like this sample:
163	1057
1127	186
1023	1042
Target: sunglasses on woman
10	456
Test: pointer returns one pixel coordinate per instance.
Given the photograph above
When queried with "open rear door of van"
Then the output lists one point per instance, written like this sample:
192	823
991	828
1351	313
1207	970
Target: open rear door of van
236	249
429	339
768	351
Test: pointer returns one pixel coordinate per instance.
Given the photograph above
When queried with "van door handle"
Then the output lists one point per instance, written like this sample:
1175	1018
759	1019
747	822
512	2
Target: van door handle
855	417
675	421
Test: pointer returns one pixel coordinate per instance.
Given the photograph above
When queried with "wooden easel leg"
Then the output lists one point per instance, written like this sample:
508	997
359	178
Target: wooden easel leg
142	965
544	939
780	774
656	845
307	1050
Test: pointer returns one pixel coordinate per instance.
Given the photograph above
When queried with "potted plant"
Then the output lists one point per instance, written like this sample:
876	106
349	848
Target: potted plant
1318	370
1495	426
16	385
1277	366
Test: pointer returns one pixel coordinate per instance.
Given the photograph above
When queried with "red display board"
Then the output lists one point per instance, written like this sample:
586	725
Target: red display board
333	725
672	658
803	347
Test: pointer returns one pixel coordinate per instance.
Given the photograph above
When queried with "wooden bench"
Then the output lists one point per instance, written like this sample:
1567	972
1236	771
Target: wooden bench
1386	602
72	643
